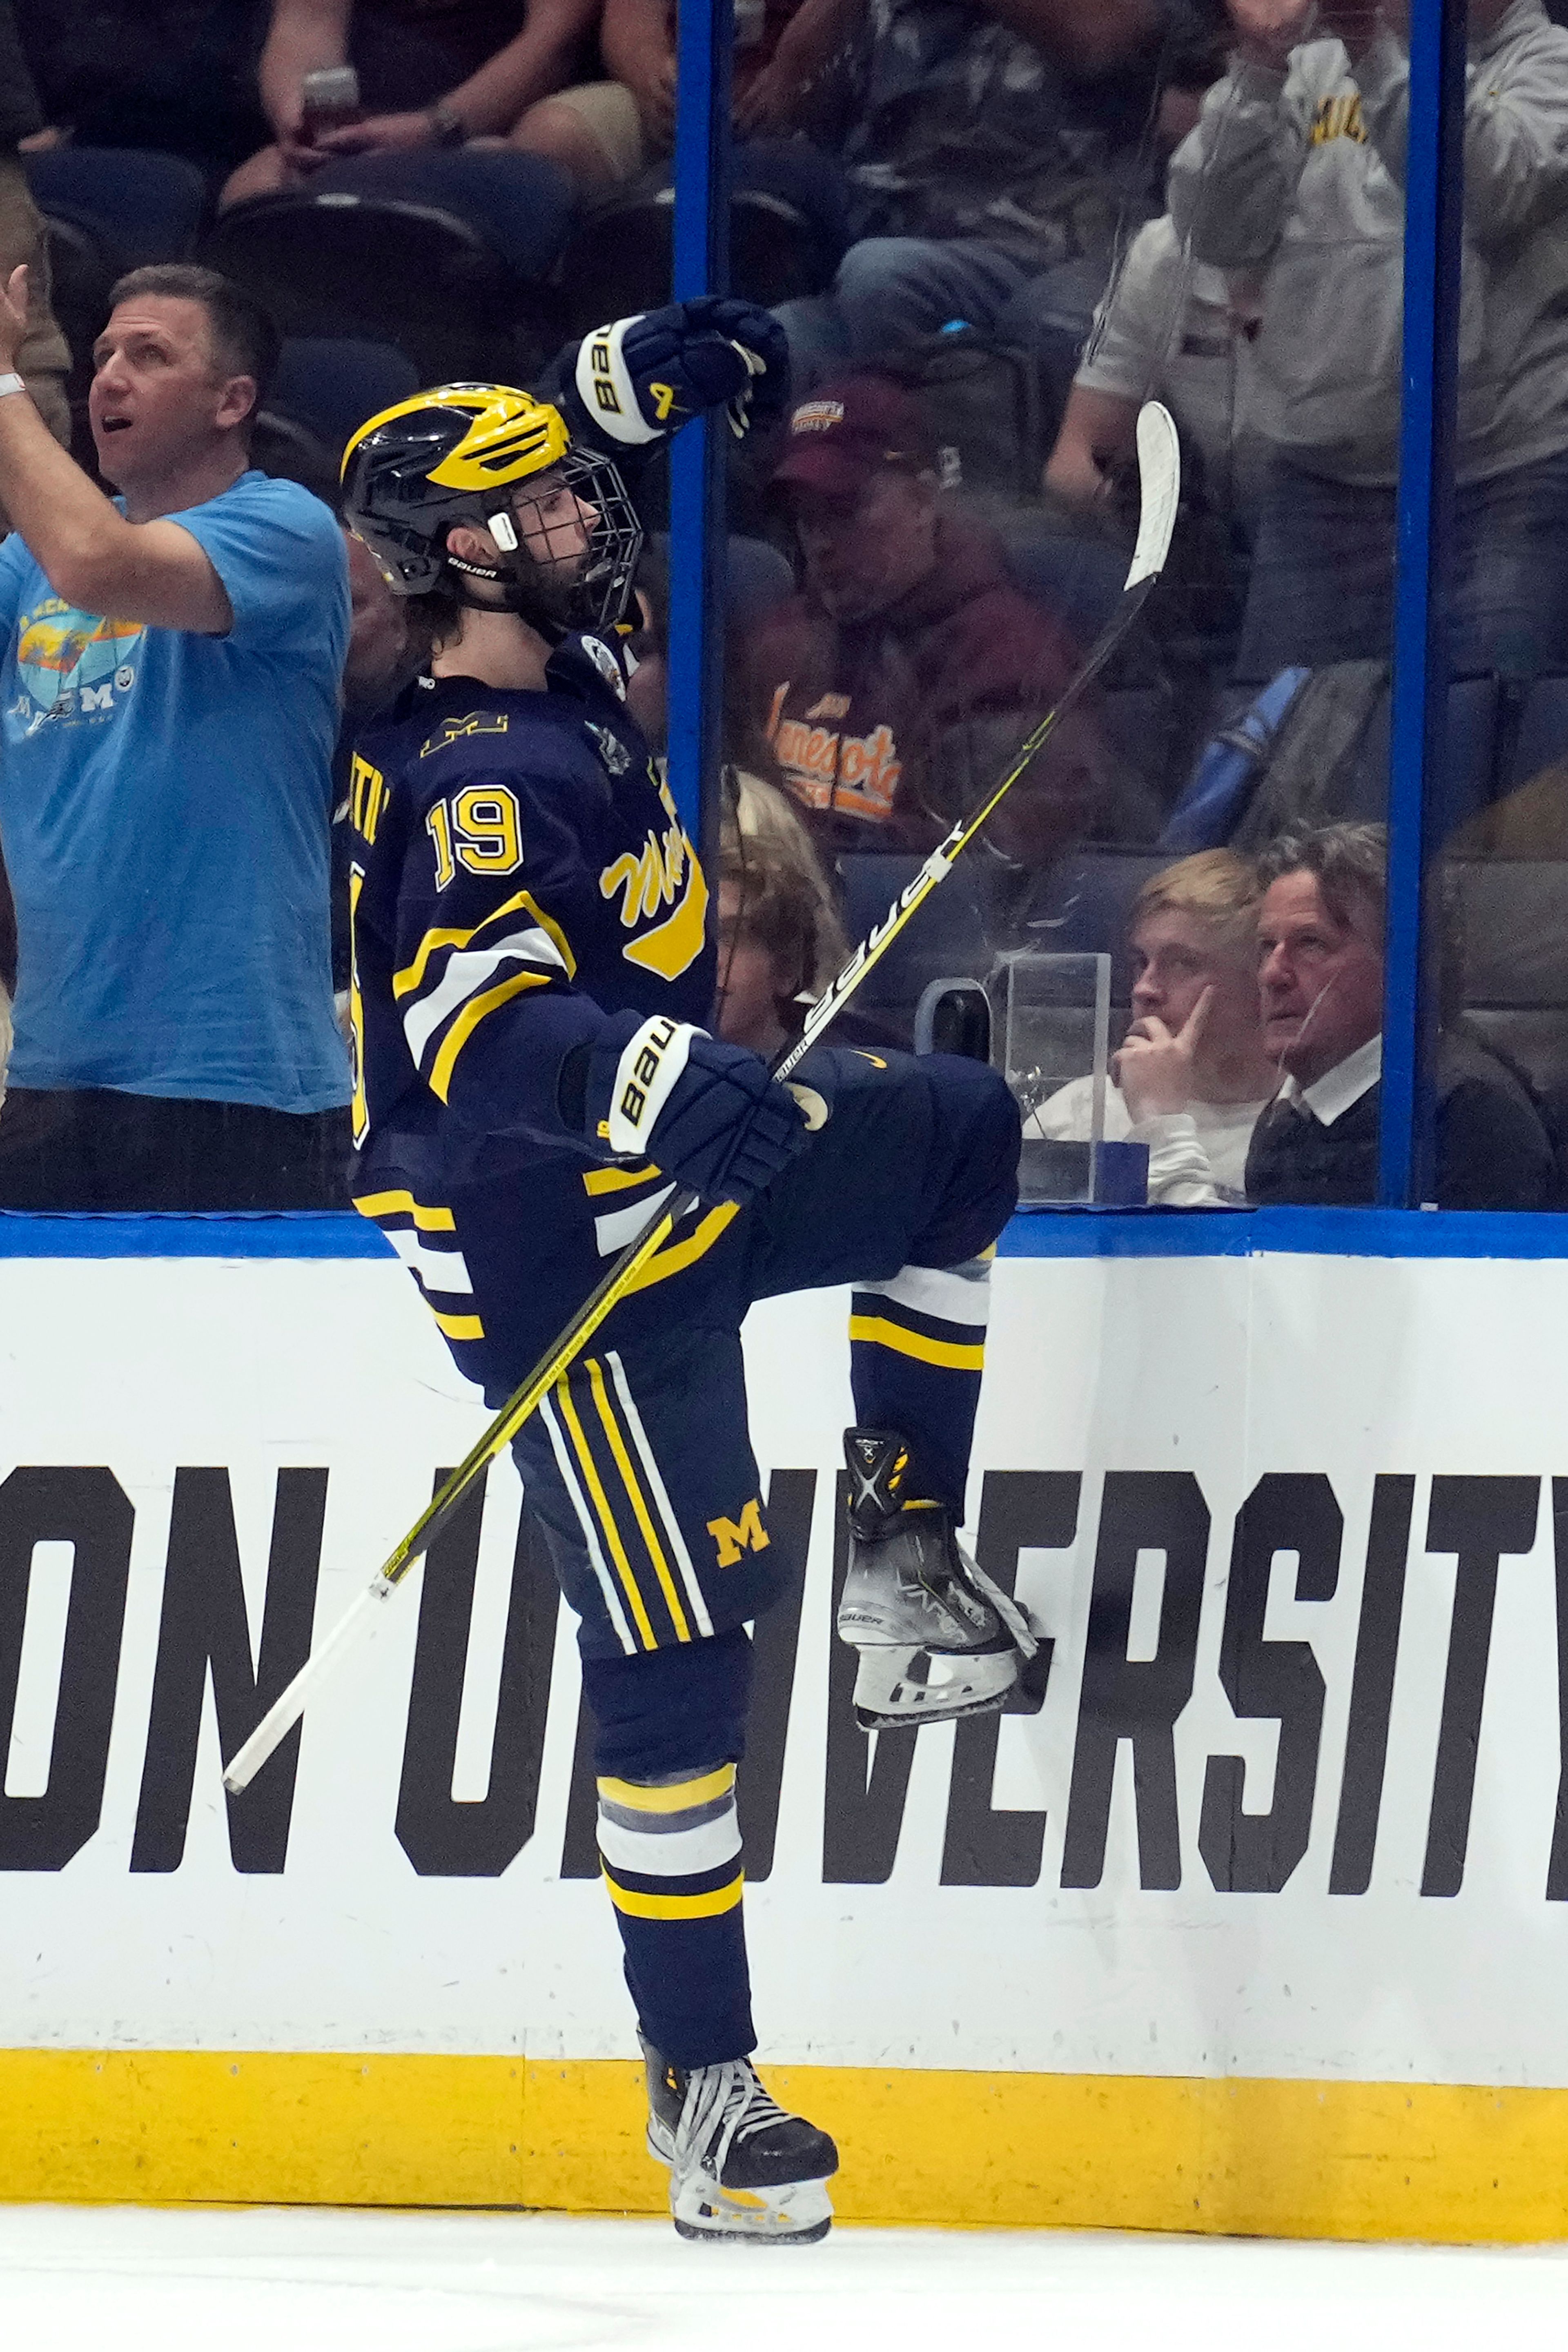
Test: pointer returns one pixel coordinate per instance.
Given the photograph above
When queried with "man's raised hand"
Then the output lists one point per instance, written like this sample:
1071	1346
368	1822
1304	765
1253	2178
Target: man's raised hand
1155	1069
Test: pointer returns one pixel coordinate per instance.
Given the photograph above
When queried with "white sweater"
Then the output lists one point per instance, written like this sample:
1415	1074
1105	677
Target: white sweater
1197	1158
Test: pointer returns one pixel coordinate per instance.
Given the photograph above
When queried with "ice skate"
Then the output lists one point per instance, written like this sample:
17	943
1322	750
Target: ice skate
937	1639
740	2168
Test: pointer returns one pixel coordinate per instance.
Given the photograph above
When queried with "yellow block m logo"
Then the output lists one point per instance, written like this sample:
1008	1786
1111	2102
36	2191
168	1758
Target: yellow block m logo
735	1536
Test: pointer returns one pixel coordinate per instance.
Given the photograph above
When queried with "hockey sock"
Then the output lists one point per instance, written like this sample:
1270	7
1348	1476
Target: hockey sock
671	1856
917	1348
671	1725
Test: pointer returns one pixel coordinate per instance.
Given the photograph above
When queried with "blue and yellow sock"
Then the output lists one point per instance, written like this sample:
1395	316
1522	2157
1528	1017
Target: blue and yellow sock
671	1856
917	1350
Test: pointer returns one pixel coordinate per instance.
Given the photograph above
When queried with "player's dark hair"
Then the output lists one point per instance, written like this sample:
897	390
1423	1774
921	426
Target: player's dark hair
1349	862
245	340
433	620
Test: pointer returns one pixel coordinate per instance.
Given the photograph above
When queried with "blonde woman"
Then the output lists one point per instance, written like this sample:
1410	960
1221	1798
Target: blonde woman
780	938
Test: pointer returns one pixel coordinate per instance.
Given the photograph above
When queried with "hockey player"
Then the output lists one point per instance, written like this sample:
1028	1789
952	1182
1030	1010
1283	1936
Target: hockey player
533	972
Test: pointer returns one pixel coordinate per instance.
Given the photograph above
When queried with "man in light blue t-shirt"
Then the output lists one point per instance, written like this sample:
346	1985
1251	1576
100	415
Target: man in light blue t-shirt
168	706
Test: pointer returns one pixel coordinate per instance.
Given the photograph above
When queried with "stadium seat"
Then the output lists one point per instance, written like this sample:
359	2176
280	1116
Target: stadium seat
81	271
620	258
520	205
335	262
1078	579
142	207
1469	780
1512	917
283	447
330	384
1141	721
1542	730
948	939
756	576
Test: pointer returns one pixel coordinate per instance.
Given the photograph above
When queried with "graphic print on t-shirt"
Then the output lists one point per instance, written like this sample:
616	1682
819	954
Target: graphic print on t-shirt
71	667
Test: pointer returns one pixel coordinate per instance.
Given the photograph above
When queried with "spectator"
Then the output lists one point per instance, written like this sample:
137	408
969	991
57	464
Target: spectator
995	149
380	660
1192	1076
176	75
429	77
169	698
896	686
1177	332
1320	936
1297	168
780	938
606	131
42	358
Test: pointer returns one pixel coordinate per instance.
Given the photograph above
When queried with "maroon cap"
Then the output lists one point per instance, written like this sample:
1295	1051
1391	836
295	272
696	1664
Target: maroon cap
840	438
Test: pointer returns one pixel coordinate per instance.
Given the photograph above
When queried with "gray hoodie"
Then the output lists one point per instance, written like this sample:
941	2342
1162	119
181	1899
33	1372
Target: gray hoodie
1300	175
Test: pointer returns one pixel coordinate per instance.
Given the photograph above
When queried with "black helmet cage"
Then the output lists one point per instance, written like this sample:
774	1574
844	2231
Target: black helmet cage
596	595
404	519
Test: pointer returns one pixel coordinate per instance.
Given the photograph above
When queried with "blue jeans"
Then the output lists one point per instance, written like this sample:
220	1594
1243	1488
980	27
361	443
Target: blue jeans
891	291
1323	576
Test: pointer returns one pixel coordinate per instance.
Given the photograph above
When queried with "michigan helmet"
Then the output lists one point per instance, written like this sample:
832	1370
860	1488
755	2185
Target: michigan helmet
467	452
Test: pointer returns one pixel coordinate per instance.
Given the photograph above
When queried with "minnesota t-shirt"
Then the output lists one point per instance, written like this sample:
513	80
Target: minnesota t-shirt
164	805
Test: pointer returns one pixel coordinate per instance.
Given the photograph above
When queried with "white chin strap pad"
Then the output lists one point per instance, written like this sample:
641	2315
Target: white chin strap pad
650	1063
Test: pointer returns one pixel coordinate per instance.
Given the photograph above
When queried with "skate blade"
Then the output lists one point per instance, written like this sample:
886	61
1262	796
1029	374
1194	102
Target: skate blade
796	2213
864	1720
895	1687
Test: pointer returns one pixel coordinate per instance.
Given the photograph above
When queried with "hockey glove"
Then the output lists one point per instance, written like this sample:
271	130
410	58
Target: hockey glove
707	1113
640	379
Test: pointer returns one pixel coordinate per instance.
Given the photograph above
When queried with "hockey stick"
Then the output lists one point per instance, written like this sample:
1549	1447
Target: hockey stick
1159	465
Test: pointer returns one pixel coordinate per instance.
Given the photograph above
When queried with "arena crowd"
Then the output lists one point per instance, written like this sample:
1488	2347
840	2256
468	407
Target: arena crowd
990	229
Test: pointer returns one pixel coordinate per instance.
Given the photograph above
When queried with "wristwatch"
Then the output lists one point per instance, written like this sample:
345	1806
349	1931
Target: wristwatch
11	384
448	124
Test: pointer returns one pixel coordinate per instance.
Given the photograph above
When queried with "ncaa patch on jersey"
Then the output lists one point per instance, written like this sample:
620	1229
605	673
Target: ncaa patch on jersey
605	662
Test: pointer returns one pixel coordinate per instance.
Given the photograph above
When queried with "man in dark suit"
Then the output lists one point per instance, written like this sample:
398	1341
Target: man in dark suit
1320	982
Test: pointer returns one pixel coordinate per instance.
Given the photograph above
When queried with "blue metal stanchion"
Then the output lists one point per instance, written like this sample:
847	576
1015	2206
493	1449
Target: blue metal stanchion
1433	224
704	43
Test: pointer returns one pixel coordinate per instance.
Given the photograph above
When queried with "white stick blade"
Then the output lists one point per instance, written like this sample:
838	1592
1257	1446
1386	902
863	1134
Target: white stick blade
1160	480
290	1706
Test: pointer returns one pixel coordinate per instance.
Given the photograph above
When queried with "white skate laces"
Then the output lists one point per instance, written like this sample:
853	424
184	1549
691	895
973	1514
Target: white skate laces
741	2166
723	2104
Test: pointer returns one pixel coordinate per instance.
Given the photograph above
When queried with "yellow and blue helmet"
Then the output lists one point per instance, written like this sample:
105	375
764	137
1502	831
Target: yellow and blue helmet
467	452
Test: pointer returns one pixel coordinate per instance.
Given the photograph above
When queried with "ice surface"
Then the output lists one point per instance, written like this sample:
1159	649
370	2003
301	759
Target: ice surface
83	2279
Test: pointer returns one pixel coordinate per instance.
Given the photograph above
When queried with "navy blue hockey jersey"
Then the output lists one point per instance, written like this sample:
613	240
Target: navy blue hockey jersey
519	872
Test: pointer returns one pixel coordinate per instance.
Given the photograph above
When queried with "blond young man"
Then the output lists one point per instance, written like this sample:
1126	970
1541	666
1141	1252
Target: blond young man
1191	1076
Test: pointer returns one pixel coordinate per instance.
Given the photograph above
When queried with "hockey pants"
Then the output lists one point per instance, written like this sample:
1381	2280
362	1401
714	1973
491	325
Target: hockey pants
640	1469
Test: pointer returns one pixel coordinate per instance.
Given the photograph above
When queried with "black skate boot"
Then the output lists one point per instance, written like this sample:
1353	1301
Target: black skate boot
937	1639
740	2167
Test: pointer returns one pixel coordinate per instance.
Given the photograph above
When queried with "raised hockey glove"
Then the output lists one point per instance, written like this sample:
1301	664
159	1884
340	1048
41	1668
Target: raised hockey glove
707	1113
640	379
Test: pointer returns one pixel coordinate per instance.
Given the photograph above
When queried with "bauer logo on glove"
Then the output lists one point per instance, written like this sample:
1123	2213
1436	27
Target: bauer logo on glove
650	1067
706	1112
641	378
